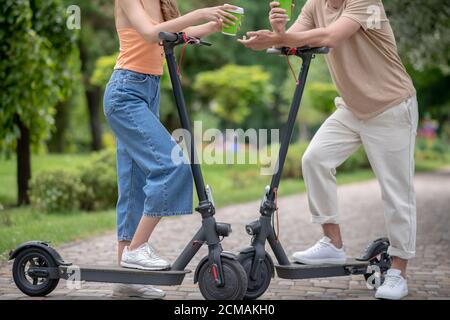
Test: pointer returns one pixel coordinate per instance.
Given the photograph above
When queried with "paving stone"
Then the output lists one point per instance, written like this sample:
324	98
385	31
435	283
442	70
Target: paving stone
428	274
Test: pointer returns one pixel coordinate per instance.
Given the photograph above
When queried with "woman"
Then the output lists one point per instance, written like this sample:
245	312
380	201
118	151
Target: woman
151	185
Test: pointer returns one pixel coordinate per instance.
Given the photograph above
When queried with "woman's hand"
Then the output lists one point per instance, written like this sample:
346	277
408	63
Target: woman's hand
217	14
217	26
278	18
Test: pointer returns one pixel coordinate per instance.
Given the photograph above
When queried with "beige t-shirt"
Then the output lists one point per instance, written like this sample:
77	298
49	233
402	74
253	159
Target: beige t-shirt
365	68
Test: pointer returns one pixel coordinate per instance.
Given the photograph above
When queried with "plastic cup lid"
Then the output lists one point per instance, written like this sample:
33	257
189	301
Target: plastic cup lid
237	10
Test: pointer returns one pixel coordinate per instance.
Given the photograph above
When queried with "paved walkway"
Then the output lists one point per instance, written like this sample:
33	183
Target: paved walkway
361	210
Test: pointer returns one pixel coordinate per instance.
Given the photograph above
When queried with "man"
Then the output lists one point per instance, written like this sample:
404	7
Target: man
377	108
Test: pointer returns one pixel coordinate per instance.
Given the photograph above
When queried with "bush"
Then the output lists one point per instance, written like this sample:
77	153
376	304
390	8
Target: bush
92	187
99	179
434	150
242	178
235	91
56	191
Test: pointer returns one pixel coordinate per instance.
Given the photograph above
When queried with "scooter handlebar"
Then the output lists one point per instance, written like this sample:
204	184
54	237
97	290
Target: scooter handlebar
169	36
181	38
284	51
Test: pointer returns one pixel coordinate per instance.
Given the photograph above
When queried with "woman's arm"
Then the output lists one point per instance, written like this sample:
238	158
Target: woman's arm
140	20
203	30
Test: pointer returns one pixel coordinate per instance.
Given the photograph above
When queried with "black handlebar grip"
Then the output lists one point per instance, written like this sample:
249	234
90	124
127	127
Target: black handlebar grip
297	51
322	50
168	36
274	51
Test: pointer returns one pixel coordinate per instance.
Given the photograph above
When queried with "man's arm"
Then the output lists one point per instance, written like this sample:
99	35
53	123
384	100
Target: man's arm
331	36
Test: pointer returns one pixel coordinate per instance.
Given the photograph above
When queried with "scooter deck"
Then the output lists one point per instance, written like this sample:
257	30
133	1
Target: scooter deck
113	274
303	271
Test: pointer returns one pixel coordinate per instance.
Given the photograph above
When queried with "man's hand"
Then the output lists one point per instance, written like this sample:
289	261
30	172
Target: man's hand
261	40
278	18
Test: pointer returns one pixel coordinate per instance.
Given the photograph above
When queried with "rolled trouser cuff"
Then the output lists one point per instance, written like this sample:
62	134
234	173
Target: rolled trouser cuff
325	219
402	254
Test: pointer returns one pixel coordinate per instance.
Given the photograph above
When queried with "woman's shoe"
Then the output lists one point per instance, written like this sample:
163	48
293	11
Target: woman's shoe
136	291
143	258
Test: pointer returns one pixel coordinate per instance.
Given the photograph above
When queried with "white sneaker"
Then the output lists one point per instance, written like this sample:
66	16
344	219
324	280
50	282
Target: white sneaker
394	287
121	290
144	258
323	252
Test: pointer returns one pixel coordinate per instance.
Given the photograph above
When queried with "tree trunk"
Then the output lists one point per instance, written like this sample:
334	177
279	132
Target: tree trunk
57	142
23	164
93	97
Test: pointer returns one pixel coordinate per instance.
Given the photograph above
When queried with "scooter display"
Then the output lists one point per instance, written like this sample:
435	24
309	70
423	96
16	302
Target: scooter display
258	264
37	267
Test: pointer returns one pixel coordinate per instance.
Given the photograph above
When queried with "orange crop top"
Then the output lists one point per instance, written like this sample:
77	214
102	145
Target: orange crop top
138	55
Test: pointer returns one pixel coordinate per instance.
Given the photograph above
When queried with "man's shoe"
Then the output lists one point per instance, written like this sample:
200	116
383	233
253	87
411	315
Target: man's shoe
394	287
323	252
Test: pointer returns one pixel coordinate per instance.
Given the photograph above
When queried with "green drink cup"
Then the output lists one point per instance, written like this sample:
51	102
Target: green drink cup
286	5
233	30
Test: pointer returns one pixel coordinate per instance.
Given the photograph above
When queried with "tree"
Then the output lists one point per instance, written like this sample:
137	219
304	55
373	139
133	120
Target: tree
97	38
421	28
36	57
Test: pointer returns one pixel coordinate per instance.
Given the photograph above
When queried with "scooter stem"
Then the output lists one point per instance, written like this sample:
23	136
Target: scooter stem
185	123
306	57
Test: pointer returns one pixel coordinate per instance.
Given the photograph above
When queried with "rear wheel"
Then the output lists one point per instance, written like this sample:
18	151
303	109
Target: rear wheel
235	281
256	288
33	286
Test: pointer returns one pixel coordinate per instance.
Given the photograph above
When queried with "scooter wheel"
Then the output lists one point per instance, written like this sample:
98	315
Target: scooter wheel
33	286
235	281
256	288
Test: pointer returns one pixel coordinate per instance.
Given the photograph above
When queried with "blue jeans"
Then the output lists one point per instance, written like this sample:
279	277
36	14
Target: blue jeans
149	182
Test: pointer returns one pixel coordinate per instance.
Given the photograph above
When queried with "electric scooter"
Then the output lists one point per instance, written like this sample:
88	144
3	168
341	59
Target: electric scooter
38	267
258	264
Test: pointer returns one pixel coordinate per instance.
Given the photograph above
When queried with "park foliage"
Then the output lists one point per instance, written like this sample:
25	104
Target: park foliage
53	78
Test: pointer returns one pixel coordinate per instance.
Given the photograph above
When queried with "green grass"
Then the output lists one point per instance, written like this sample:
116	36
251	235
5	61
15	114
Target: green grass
18	225
23	224
228	191
8	189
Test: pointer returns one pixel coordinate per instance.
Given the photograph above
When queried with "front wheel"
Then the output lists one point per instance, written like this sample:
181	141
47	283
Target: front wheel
33	286
256	288
235	281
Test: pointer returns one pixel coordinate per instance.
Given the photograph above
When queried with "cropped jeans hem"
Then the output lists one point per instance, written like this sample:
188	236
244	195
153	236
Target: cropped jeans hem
167	214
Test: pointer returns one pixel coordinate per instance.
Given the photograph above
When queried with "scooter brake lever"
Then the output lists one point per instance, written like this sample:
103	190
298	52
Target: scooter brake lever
198	42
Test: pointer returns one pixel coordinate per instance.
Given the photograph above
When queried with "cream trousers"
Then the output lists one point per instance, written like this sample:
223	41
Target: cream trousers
388	140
